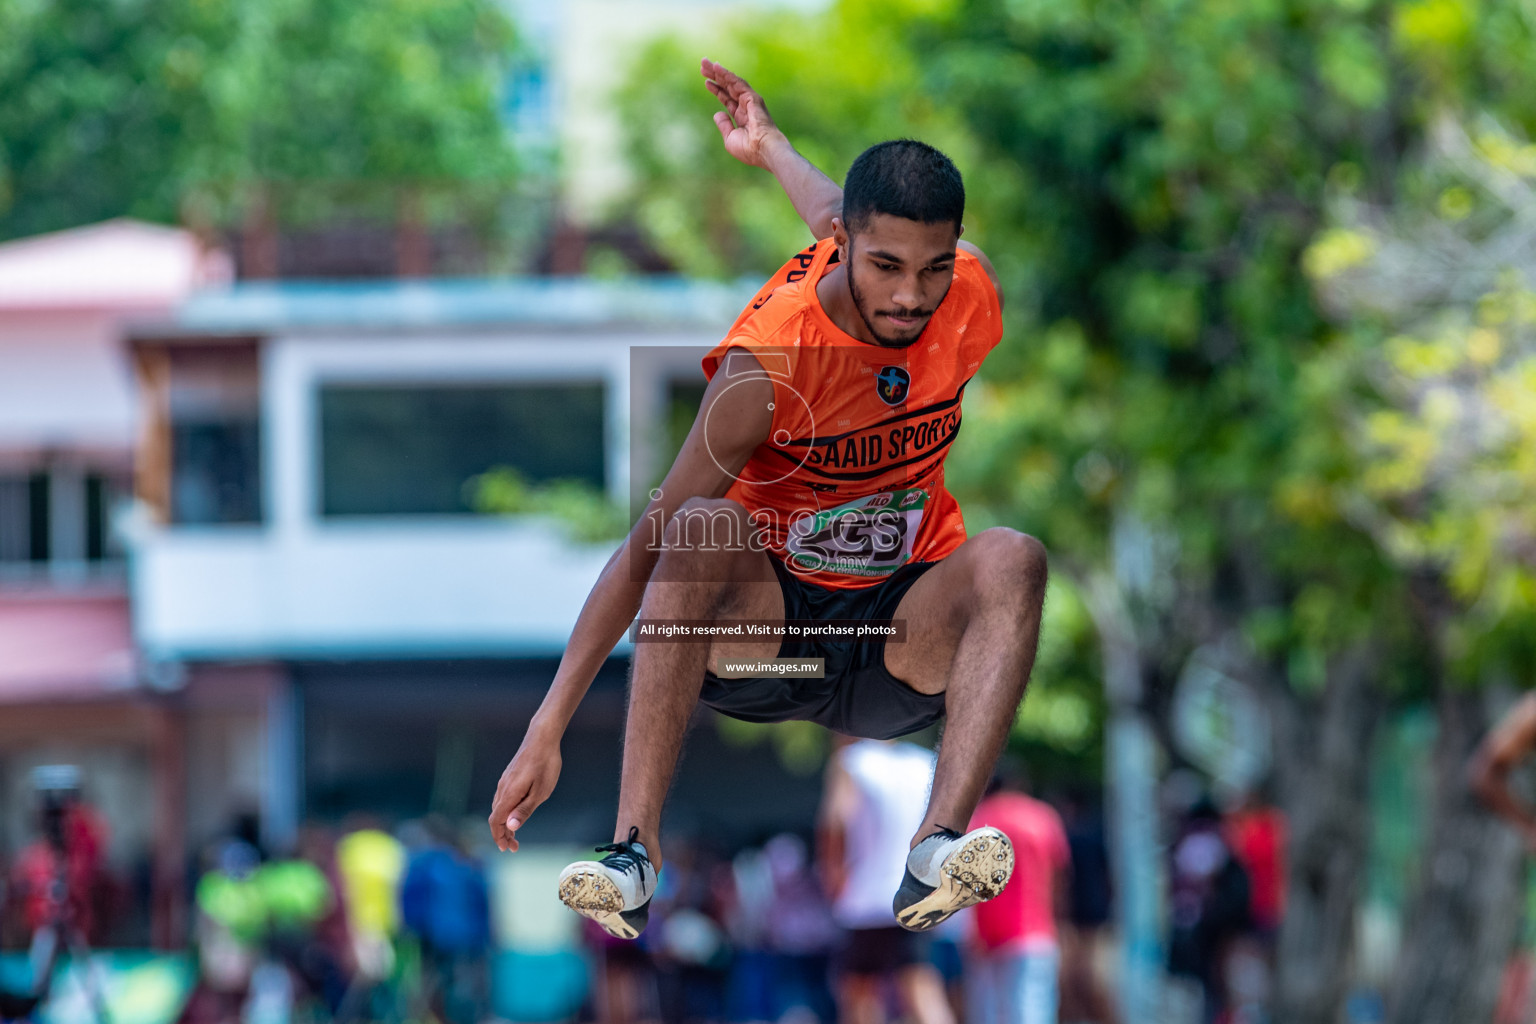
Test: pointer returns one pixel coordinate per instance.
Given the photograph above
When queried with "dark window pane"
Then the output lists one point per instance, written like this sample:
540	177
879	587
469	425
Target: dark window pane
37	501
216	472
412	450
95	518
15	519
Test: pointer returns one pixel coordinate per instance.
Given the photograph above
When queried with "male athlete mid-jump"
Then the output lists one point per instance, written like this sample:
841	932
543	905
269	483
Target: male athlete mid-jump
820	449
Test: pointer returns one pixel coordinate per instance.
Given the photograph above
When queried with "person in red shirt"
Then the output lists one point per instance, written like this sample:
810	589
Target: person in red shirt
811	490
1256	833
57	878
1011	977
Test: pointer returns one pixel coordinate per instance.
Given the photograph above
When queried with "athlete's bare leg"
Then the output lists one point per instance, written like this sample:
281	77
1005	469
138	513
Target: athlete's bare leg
973	623
690	582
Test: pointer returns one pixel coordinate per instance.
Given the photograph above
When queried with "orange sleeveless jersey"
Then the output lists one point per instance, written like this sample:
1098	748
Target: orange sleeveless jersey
849	485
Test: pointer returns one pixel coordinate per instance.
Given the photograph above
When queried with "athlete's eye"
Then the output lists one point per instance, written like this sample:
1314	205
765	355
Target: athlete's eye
887	267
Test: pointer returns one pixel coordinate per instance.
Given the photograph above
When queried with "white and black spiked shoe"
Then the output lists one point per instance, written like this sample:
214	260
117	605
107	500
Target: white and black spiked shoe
615	891
948	871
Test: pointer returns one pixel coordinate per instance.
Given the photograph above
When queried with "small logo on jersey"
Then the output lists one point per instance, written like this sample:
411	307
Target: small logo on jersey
891	384
877	500
911	498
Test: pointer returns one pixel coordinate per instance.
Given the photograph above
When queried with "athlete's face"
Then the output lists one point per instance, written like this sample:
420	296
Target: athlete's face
899	271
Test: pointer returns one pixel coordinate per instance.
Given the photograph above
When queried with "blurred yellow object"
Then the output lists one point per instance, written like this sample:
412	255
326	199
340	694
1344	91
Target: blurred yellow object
371	863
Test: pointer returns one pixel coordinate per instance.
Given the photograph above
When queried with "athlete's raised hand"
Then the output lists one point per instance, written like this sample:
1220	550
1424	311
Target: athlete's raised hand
750	136
745	125
525	784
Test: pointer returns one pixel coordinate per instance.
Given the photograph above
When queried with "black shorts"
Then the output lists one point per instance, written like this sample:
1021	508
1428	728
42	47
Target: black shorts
856	696
874	951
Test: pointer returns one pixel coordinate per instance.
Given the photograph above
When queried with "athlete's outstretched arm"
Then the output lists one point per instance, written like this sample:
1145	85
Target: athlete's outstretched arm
705	467
750	135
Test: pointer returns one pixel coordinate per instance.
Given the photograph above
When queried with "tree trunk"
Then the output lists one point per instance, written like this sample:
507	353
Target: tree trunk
1467	908
1322	764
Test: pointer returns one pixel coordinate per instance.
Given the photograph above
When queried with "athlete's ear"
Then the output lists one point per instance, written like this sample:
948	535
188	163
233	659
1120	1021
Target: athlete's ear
840	238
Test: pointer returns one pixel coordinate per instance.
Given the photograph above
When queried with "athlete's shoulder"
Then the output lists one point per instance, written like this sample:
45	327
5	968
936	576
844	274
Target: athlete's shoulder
974	300
773	319
776	322
783	297
974	269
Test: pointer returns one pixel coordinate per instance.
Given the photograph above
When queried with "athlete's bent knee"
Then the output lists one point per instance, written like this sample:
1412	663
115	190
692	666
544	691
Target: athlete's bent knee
1010	566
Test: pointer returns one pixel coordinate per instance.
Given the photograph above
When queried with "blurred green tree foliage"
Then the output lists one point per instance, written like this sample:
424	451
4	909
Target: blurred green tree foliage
1433	373
584	513
191	108
1435	303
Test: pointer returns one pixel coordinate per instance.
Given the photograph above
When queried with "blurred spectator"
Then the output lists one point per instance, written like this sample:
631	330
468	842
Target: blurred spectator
625	989
1208	905
801	933
1255	830
228	933
58	883
747	918
57	877
948	955
875	798
259	940
371	862
443	902
691	951
1012	976
1085	936
321	951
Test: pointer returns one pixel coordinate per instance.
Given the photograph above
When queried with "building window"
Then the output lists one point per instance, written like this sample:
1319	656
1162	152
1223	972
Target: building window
24	518
58	516
415	450
215	435
216	471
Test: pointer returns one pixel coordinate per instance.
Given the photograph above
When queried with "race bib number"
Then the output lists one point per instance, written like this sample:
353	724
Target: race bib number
870	536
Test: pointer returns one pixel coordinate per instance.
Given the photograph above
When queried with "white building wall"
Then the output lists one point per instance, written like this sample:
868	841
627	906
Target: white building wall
65	383
300	585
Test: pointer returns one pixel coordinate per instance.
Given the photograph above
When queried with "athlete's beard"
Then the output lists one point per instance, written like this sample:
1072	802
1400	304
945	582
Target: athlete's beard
888	342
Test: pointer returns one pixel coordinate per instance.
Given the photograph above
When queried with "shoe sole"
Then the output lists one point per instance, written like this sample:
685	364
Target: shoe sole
973	874
592	894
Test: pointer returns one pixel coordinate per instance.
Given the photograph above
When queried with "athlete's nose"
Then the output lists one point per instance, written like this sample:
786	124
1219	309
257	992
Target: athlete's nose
905	297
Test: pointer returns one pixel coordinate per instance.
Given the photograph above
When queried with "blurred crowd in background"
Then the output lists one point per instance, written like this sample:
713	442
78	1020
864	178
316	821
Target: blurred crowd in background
380	921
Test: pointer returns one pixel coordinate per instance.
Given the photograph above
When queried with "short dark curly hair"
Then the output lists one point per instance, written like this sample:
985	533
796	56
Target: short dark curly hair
903	178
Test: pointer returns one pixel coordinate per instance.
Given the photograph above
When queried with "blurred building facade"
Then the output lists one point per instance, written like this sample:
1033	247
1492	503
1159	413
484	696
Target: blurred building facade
71	684
344	630
243	571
